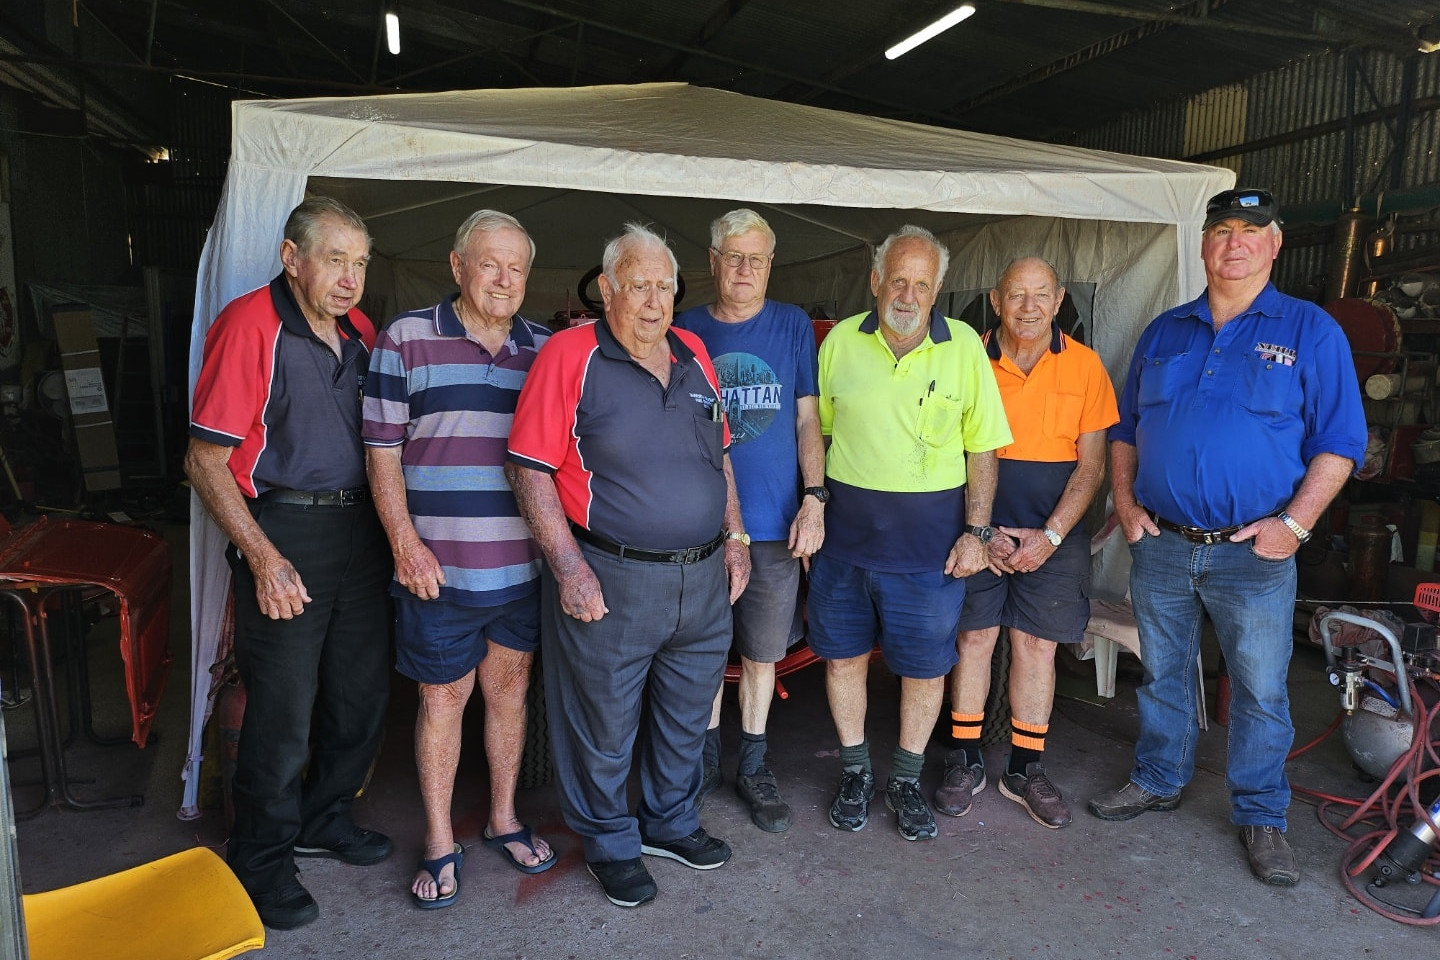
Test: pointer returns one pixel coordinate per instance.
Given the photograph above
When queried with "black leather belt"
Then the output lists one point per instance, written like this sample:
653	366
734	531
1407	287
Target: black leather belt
1197	534
319	498
688	555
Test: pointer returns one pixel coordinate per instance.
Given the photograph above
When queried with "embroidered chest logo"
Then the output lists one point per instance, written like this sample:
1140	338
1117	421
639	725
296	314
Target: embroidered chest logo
1285	356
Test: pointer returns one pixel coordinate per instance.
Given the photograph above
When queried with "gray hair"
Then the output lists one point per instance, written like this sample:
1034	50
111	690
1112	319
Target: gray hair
636	238
488	221
302	227
1054	274
920	233
736	222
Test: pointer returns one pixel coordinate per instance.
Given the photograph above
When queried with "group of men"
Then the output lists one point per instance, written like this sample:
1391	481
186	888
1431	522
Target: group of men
635	496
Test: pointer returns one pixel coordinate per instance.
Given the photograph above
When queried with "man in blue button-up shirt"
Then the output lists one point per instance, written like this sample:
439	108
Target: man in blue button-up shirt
1239	422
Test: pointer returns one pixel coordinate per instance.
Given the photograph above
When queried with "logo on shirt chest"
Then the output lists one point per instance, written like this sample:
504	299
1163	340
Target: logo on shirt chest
1275	353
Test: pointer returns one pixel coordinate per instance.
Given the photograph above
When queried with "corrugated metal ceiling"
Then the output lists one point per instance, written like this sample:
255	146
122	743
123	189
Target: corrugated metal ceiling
1035	69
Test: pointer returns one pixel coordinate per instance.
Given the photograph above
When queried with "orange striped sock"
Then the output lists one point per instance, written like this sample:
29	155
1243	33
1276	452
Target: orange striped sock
1027	744
965	733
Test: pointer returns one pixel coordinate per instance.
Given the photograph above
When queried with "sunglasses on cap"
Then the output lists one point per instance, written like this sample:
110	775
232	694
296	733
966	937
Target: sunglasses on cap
1252	206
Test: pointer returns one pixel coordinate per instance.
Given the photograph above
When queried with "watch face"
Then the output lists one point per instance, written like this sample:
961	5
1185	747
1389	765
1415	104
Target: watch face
1054	538
819	493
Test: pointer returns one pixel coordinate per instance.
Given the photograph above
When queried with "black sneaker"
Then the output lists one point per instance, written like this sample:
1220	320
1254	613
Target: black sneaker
710	781
699	850
361	848
851	807
912	813
626	882
287	906
762	793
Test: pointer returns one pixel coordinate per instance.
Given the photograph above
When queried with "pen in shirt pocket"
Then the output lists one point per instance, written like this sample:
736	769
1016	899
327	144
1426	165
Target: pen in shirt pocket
716	412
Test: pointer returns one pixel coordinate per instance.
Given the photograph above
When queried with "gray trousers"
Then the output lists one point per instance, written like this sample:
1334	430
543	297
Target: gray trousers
649	669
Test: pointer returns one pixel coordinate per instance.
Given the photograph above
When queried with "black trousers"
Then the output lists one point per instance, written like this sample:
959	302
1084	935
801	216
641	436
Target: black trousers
317	687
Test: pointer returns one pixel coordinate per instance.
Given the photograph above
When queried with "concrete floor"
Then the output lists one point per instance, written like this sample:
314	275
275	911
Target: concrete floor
993	884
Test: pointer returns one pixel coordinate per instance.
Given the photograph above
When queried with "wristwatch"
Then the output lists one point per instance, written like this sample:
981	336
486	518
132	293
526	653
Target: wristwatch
1300	532
1054	538
740	535
984	534
819	493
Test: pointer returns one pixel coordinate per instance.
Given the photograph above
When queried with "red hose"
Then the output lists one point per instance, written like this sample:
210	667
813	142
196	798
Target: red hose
1381	812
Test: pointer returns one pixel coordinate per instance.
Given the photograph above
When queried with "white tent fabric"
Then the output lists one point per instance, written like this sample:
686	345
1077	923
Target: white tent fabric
574	164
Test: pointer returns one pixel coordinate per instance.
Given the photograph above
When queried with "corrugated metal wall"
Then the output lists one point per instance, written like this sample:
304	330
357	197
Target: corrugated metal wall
171	206
1310	169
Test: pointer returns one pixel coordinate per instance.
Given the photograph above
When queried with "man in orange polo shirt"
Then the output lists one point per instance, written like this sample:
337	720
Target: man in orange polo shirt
1060	403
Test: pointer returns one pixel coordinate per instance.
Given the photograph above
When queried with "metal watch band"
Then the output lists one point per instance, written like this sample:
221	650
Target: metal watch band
1300	532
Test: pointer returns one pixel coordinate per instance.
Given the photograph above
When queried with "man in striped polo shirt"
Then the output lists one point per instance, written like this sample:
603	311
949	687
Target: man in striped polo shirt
438	405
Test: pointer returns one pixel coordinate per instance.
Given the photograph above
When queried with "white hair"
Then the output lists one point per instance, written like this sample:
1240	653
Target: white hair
636	238
738	222
920	233
488	221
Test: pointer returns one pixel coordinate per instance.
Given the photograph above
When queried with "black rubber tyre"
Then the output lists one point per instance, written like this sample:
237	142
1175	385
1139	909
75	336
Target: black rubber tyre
997	704
537	764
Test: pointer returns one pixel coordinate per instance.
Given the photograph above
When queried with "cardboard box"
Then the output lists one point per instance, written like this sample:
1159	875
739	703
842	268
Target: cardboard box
89	407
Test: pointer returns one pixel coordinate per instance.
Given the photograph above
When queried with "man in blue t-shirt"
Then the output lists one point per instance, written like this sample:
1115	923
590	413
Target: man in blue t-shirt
764	354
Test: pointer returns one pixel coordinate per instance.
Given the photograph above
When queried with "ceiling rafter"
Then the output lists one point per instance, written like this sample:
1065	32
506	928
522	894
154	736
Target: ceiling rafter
1199	21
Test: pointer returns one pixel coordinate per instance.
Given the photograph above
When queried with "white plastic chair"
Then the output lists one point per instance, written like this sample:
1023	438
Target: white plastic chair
1112	623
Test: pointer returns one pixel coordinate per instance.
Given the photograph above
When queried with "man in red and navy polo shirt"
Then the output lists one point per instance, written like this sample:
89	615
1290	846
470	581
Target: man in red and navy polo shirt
276	457
617	458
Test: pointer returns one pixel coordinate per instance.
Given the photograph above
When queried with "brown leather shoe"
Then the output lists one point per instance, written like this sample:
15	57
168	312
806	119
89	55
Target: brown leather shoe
1271	859
962	781
1129	802
1040	798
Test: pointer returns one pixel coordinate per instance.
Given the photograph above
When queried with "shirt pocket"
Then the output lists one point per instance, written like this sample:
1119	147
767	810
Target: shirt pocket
1159	379
940	419
1062	416
710	435
1265	388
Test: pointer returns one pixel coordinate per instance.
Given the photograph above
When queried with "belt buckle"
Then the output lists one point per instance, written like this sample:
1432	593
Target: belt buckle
1211	537
689	555
349	498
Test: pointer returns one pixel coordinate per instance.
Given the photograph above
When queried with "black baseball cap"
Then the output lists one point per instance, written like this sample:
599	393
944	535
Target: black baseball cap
1252	206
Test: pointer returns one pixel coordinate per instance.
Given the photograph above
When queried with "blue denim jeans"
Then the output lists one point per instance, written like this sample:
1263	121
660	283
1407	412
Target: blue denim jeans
1251	602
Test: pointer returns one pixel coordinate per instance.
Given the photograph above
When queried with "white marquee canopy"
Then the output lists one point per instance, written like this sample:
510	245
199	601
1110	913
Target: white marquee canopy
574	164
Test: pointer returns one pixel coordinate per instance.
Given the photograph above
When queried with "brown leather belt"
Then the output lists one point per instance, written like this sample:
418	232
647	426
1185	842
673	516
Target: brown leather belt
687	555
1198	535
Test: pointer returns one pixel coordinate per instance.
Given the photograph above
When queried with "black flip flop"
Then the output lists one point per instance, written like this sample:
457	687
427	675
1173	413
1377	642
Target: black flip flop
433	867
524	836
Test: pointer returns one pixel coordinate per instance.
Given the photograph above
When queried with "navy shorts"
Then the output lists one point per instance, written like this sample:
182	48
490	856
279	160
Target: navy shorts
1052	602
767	615
913	616
438	642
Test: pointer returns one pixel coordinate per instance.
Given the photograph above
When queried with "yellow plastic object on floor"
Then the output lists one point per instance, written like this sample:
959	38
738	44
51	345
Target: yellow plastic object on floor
188	906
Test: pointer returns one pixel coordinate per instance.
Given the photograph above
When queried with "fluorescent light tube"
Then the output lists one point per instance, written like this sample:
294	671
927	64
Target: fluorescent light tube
392	33
962	12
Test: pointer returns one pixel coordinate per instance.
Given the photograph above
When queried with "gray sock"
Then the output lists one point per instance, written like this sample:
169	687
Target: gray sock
752	753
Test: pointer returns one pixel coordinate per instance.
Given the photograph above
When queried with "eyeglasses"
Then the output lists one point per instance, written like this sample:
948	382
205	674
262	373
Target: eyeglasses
758	261
641	289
